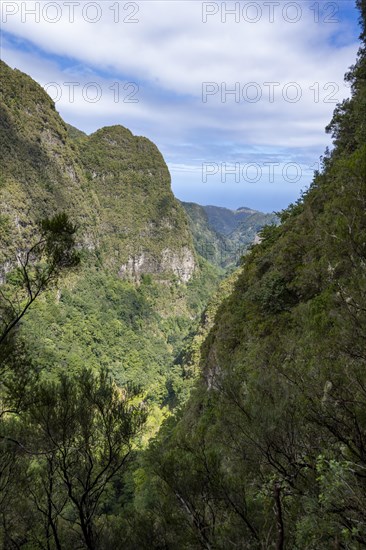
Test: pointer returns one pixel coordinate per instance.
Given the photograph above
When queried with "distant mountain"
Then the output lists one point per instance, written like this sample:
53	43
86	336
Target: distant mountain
246	232
222	235
224	220
208	242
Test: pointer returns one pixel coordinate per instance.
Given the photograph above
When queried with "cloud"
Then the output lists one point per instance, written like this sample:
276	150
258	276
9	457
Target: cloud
170	53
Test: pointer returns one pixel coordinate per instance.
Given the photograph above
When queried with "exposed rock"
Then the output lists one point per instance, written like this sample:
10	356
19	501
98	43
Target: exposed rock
181	264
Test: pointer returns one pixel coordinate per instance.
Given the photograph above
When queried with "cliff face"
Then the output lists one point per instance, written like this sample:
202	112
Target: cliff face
181	264
144	229
116	186
40	172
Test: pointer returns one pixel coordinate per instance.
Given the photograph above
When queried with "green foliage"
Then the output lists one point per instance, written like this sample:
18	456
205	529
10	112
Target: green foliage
269	449
223	236
113	185
138	291
133	239
78	436
102	321
37	268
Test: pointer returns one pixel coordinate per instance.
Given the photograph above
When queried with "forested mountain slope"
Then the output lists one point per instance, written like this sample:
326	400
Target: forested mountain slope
116	186
222	235
99	287
140	284
225	221
141	287
270	451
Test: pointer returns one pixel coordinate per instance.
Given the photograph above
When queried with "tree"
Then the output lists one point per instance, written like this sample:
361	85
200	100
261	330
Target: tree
82	430
37	268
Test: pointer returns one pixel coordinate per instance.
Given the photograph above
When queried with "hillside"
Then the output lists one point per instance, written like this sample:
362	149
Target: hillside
225	220
222	235
101	342
148	403
209	243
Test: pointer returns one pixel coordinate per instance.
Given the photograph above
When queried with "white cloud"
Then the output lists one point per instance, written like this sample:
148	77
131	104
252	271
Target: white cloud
170	52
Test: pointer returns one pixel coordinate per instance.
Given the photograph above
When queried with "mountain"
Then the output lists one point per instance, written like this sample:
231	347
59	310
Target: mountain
140	286
116	186
247	231
100	444
207	241
224	220
222	235
129	320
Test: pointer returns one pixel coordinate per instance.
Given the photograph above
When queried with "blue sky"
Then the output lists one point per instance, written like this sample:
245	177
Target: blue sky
235	94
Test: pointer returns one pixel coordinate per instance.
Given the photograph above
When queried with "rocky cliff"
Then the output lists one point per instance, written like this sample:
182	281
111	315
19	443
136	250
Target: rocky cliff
114	185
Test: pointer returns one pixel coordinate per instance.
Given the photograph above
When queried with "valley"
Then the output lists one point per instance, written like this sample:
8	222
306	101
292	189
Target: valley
177	376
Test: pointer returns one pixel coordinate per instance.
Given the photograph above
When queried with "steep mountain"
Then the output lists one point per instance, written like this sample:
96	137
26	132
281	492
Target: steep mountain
248	229
143	227
40	170
269	452
116	186
222	235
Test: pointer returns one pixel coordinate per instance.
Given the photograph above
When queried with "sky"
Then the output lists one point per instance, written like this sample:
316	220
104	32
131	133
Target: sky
236	95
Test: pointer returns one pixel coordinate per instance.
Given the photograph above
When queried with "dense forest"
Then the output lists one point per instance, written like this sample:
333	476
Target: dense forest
150	398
